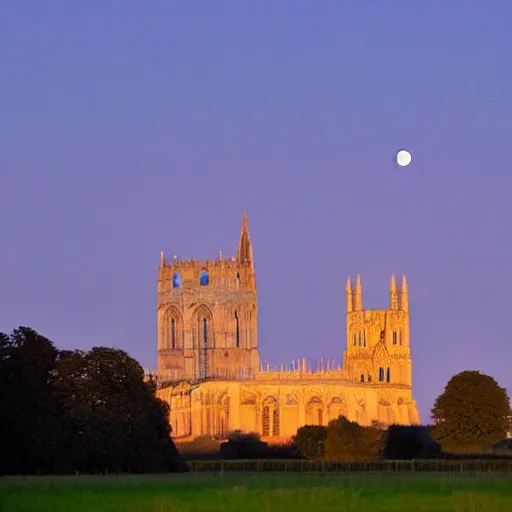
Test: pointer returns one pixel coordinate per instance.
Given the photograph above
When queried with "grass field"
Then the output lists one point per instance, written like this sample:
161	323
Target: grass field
261	493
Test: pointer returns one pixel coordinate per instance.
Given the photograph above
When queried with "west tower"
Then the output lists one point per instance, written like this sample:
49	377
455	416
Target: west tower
378	341
207	317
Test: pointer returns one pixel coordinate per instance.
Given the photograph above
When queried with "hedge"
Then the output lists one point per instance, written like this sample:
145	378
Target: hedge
383	466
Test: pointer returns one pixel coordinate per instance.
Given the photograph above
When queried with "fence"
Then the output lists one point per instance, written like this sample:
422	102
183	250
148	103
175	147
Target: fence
383	466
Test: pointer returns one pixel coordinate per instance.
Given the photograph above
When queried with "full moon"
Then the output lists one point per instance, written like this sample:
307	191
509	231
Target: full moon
403	158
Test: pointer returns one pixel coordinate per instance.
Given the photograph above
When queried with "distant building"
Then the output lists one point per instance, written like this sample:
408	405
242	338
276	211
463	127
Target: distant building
209	368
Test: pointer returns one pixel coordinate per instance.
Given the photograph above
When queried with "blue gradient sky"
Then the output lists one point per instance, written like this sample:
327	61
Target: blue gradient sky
130	127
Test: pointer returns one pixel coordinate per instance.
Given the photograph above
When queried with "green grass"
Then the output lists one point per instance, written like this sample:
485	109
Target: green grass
257	493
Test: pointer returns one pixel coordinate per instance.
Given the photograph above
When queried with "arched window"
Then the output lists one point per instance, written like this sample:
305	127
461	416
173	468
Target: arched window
237	331
203	278
362	377
395	337
205	332
173	334
388	375
266	421
203	344
355	340
381	374
176	280
270	418
359	338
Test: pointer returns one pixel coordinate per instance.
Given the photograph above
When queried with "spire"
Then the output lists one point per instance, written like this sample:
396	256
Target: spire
162	259
393	297
348	289
244	245
404	296
358	297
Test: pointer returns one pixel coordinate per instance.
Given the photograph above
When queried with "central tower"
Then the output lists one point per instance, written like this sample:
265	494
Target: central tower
207	317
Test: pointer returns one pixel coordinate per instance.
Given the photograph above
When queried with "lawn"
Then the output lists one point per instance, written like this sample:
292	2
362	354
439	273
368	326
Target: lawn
257	493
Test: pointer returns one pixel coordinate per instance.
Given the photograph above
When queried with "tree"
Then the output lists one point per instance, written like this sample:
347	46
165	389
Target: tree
471	414
73	410
114	420
347	441
30	429
310	440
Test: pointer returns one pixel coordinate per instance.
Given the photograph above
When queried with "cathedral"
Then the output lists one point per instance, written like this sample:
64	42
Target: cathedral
209	368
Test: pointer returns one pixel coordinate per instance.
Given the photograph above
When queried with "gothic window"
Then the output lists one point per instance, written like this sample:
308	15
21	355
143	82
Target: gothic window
237	279
401	334
395	337
204	278
364	338
355	340
203	345
205	332
237	331
270	418
359	337
369	378
362	377
275	422
176	280
266	421
173	334
388	375
381	374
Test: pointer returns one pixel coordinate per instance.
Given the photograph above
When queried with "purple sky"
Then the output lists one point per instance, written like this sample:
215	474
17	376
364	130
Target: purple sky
130	127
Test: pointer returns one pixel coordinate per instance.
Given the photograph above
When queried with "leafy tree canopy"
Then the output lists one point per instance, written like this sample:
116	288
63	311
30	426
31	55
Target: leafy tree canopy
347	441
67	411
472	413
310	441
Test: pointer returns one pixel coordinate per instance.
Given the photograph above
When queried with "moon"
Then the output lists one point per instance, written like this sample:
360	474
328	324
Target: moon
403	158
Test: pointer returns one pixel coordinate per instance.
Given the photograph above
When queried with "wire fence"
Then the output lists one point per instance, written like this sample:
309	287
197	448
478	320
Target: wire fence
502	466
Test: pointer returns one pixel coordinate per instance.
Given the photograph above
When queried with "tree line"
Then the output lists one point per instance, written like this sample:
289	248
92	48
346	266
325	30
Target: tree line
68	411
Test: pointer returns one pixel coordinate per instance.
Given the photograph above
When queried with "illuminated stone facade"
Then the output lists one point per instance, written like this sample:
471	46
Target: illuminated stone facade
209	363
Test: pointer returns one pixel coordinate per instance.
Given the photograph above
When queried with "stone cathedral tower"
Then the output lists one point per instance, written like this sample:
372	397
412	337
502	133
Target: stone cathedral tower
207	317
378	341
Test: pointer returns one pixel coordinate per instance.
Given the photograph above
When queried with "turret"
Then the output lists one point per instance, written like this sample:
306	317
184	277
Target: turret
404	296
393	296
244	254
358	296
349	296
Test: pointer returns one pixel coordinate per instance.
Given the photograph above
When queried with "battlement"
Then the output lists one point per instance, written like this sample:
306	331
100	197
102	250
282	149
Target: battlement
192	264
